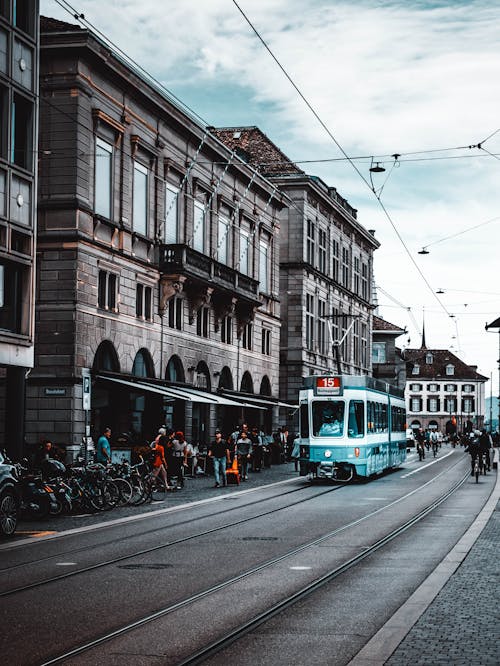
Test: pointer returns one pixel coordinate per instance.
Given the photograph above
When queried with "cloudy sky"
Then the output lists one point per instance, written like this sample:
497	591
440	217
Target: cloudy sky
411	77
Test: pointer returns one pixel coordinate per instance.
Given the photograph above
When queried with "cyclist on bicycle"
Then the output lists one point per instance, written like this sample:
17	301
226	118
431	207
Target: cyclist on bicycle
474	451
434	442
420	439
485	446
158	457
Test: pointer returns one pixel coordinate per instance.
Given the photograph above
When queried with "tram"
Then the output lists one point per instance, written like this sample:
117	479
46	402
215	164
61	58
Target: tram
350	426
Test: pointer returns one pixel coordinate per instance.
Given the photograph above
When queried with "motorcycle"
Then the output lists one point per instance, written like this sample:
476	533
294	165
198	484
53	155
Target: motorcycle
53	472
37	498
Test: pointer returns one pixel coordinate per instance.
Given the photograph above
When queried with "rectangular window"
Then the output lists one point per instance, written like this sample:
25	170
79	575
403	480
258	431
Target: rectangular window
355	341
310	242
3	193
223	240
143	307
203	322
322	251
247	337
379	352
4	58
356	422
22	65
451	405
103	178
266	342
171	214
21	132
244	262
20	201
264	267
175	313
23	16
336	260
107	291
11	297
415	404
345	268
140	204
365	293
468	405
309	321
199	227
364	345
322	339
357	276
433	404
227	330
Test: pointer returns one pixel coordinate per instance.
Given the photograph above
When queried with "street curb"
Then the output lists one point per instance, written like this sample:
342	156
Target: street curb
382	645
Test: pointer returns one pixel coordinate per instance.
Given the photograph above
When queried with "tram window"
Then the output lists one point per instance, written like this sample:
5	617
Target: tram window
385	421
328	418
304	420
371	416
356	427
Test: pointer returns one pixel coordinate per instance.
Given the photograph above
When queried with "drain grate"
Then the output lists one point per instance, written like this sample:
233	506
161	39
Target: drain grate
145	566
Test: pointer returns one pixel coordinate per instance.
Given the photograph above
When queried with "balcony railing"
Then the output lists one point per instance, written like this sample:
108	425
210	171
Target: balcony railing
195	265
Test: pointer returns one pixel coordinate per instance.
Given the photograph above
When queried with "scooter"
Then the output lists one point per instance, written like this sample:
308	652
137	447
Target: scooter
37	497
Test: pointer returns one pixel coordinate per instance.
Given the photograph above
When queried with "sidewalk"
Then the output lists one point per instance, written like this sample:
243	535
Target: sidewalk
454	616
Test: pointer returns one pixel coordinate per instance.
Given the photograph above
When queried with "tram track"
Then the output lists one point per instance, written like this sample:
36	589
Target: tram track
145	551
249	625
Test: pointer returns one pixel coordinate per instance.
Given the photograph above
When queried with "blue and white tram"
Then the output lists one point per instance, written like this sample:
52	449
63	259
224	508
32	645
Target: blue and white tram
350	426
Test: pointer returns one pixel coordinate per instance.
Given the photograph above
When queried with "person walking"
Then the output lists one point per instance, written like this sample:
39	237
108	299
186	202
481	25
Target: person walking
256	440
180	457
103	450
219	452
158	457
243	447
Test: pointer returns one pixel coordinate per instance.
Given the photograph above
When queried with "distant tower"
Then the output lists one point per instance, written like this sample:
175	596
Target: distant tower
423	346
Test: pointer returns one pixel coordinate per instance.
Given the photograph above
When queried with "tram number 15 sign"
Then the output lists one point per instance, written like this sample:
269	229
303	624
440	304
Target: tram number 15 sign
328	386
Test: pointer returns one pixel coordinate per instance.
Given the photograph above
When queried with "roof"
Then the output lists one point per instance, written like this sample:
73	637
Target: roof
253	146
48	24
437	369
382	326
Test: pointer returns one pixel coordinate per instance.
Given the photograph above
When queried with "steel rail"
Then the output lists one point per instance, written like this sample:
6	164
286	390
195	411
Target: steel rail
145	551
229	638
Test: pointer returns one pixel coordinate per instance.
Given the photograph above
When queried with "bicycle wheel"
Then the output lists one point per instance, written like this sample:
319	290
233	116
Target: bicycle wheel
125	491
111	494
138	491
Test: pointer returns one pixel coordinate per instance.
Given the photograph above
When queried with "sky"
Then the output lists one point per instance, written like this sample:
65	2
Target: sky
411	78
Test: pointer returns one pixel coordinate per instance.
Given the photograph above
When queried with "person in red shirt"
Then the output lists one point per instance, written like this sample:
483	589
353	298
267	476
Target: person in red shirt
158	457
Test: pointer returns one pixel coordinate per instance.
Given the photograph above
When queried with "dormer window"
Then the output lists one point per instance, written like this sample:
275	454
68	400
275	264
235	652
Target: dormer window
415	369
429	359
450	369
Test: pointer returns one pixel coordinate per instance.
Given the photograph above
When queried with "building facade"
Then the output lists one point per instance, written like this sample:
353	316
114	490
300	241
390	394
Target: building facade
442	392
18	173
387	362
326	267
157	297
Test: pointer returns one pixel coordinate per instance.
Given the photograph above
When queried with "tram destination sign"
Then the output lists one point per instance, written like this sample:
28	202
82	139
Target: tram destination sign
328	385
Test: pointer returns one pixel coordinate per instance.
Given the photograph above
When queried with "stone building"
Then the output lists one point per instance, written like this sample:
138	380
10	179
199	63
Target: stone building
157	259
18	169
387	361
325	269
442	392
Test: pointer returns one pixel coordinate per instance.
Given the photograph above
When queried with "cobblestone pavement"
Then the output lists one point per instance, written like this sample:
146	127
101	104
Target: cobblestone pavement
462	625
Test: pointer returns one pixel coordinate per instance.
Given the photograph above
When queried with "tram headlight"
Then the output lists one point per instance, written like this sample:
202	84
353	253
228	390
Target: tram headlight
328	454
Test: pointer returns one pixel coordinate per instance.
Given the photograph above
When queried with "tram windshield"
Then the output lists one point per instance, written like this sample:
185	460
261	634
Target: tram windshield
328	418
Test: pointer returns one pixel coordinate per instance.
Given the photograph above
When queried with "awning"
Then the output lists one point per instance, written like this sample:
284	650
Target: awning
177	393
262	400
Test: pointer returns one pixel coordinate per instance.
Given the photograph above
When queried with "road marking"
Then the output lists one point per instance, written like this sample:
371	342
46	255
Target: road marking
65	564
300	568
428	465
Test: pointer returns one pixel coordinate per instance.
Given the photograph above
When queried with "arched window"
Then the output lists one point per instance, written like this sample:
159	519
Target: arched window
143	364
450	369
174	371
246	383
202	379
265	386
106	358
429	359
226	379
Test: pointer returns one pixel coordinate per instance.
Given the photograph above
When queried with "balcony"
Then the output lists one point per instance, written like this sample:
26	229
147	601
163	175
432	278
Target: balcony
207	272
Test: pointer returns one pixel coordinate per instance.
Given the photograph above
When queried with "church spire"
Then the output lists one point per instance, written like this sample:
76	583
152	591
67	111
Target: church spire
423	346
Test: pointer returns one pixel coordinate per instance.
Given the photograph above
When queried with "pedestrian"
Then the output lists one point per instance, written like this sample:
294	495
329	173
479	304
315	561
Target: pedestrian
256	449
219	452
158	457
180	457
43	454
103	450
243	447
